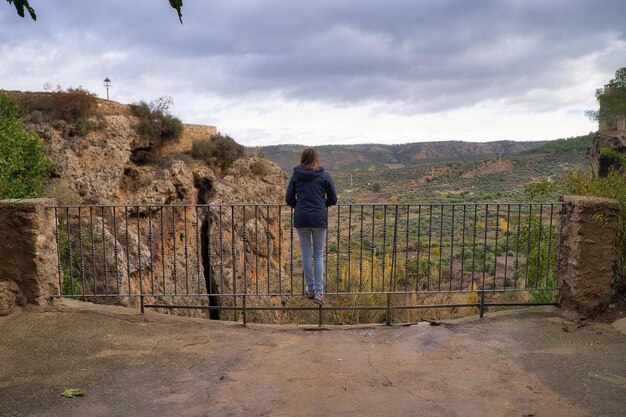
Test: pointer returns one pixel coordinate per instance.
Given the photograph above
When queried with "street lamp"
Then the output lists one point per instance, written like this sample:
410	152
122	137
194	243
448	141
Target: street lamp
107	84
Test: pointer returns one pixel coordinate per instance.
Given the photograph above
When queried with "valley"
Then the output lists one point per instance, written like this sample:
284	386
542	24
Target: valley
451	172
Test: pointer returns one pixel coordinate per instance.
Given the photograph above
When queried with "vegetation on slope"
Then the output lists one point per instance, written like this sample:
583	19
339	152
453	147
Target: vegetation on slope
24	165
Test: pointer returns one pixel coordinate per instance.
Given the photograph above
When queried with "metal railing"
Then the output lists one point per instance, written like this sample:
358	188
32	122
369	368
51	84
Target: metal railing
220	257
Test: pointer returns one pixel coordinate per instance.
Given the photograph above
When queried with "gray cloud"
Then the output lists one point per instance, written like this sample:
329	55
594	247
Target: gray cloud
421	56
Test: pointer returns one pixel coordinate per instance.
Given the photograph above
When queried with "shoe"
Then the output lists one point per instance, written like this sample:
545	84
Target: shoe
318	299
309	294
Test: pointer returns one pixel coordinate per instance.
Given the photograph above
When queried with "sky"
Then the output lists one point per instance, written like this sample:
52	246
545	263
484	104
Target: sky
332	71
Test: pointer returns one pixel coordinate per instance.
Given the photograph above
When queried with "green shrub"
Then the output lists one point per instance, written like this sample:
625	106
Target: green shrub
220	150
24	164
260	168
76	106
155	121
202	149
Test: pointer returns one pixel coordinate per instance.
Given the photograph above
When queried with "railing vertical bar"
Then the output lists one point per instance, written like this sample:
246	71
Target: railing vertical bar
93	251
548	259
186	251
372	248
361	252
244	238
150	244
349	248
530	219
419	246
338	266
384	254
463	245
291	250
104	254
506	242
116	252
440	248
495	246
256	248
517	242
538	263
80	242
406	247
127	235
485	245
280	250
474	235
221	248
69	250
173	235
388	312
430	237
58	244
267	244
209	254
139	266
326	277
198	249
233	254
394	253
162	249
450	272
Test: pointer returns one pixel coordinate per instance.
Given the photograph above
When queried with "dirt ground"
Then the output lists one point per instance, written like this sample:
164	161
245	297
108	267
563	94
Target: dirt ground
519	363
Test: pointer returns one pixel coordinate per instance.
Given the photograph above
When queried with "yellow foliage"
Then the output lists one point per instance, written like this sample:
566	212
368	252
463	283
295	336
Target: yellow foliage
502	224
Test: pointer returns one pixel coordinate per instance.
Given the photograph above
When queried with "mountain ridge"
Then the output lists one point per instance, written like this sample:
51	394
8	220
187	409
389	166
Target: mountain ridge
396	155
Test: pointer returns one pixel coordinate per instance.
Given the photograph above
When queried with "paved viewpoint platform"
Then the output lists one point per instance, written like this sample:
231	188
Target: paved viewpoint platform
518	363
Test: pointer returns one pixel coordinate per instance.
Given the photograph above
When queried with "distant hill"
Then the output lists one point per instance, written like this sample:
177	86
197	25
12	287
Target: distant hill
395	156
575	144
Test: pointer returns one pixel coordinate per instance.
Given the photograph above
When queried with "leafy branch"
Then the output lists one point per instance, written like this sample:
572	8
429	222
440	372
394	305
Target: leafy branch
22	5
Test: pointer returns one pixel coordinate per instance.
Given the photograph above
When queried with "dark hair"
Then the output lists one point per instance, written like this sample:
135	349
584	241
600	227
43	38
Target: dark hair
310	159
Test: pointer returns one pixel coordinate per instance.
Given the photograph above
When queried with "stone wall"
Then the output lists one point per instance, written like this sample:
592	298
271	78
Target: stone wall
190	133
619	125
589	254
28	271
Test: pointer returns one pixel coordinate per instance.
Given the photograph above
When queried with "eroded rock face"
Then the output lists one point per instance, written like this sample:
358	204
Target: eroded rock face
615	141
8	291
114	166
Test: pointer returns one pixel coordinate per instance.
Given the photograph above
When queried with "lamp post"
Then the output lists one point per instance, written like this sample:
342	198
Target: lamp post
107	84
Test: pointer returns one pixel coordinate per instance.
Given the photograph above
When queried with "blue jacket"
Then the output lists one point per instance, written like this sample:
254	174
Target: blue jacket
309	193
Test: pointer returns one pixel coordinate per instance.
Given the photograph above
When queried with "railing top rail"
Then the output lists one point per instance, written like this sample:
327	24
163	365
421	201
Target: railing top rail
411	204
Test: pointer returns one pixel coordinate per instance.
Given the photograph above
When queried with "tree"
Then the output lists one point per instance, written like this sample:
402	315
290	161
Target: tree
21	5
24	164
620	78
611	99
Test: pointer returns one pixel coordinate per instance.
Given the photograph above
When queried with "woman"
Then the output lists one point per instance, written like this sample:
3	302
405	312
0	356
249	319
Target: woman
310	191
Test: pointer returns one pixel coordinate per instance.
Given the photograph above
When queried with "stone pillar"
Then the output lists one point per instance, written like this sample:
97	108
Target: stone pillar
589	254
28	256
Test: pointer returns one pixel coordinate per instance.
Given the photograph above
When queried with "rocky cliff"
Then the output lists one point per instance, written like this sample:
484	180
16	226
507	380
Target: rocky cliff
108	167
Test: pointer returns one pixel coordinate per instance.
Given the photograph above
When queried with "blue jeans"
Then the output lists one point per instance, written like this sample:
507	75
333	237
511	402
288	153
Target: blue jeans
312	241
